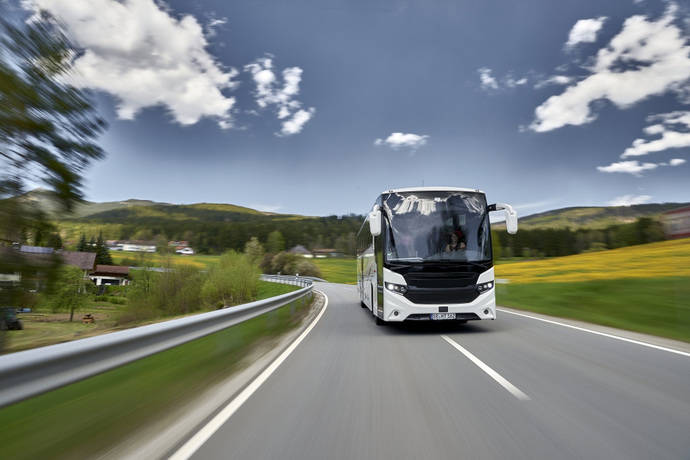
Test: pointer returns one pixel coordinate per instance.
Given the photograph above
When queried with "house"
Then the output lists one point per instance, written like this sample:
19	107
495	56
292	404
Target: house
326	252
85	261
301	251
185	251
677	222
113	275
179	244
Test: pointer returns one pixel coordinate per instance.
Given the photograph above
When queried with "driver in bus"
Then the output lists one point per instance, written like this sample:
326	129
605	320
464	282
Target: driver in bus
456	241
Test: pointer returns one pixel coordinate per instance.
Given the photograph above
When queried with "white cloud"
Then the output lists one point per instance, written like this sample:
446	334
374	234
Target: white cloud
669	127
645	58
141	55
513	82
400	140
295	124
585	31
629	200
676	161
554	80
486	80
633	167
269	92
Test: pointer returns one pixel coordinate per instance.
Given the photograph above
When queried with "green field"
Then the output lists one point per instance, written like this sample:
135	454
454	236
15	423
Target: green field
338	270
201	261
657	306
84	419
643	288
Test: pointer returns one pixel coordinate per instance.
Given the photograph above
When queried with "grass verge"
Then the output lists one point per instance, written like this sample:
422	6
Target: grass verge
338	270
83	419
657	306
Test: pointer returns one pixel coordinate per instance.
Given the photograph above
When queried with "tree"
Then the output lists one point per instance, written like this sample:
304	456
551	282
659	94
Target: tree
233	281
254	250
81	246
55	241
70	290
48	131
102	253
47	126
275	242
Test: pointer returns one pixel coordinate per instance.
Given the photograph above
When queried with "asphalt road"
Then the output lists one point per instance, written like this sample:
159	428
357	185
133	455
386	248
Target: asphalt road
352	390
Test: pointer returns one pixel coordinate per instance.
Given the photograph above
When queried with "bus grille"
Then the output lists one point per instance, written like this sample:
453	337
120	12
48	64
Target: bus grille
441	296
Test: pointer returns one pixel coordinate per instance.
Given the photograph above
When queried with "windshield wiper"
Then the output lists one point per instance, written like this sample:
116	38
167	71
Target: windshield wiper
407	259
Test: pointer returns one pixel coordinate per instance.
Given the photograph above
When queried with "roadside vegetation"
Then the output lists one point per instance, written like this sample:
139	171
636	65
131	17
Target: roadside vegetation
644	288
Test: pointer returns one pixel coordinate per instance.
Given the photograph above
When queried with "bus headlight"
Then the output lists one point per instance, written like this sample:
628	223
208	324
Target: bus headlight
398	288
483	287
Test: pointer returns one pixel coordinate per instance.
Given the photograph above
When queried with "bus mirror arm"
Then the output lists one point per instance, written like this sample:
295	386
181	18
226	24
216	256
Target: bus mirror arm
511	216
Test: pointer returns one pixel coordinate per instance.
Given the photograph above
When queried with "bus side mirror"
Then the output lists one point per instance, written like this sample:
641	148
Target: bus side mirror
375	222
511	216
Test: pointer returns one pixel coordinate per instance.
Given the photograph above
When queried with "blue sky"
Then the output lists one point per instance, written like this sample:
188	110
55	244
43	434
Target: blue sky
294	106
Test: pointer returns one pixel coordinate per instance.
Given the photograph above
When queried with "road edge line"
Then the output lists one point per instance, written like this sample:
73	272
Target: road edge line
512	389
604	334
190	447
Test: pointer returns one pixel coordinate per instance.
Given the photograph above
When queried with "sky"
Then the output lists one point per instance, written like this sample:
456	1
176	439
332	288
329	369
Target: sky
316	106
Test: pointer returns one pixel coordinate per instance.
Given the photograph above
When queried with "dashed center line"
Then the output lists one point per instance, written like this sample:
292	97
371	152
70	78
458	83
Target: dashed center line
512	389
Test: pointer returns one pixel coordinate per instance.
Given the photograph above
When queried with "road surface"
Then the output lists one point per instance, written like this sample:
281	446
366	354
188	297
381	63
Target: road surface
513	388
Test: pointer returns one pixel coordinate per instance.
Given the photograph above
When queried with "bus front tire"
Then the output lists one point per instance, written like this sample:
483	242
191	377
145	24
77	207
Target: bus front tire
362	304
380	322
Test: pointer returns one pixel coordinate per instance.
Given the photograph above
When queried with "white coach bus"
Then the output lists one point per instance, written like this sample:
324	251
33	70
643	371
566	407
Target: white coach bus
425	254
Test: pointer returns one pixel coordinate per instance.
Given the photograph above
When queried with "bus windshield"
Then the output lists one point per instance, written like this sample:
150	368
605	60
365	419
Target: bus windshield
437	226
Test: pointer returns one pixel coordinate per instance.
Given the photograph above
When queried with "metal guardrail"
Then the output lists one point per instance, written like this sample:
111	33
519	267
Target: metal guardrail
28	373
290	279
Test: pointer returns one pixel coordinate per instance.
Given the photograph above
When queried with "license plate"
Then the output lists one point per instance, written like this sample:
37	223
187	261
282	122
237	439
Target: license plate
442	316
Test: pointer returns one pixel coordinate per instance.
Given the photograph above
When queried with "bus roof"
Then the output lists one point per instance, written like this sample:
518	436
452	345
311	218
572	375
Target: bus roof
433	189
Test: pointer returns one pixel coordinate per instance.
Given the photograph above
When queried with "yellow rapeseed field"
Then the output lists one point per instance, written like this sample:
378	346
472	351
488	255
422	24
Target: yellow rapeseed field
654	260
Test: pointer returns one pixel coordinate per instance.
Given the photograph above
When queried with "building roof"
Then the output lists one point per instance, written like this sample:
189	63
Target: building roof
325	250
35	249
299	249
83	260
113	270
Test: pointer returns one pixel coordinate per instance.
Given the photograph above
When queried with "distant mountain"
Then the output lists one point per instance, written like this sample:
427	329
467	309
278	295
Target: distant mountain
593	216
45	200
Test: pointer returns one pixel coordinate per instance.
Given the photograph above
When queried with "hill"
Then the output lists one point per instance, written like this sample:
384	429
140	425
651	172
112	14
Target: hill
210	227
593	217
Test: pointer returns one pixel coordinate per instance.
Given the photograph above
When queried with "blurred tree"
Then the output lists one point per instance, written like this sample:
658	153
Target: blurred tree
254	250
102	253
48	129
81	246
55	241
70	290
275	242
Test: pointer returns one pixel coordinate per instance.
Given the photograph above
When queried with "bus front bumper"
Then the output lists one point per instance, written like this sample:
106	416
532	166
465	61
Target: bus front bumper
398	308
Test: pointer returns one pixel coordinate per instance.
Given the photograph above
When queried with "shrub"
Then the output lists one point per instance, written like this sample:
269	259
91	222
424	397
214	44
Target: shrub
232	282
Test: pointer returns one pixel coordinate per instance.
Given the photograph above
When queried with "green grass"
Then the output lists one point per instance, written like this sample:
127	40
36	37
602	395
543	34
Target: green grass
657	306
84	419
268	289
338	270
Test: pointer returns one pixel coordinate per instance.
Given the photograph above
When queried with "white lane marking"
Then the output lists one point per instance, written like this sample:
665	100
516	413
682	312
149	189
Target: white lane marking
198	440
515	391
611	336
